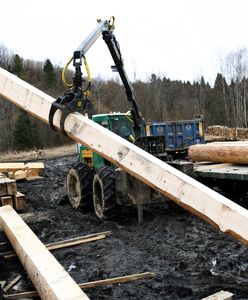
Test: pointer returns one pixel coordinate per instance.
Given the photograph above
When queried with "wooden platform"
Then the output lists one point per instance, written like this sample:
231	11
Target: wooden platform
221	171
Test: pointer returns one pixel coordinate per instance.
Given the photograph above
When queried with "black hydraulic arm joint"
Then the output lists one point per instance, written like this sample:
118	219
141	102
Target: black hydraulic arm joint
69	103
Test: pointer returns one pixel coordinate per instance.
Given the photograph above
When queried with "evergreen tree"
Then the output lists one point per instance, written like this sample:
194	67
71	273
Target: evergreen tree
220	82
24	132
17	66
50	77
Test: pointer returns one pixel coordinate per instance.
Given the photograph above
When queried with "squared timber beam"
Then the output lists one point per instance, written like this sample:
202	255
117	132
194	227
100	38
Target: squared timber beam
47	275
185	191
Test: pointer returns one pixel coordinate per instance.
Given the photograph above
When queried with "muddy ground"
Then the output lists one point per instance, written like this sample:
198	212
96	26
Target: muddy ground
191	259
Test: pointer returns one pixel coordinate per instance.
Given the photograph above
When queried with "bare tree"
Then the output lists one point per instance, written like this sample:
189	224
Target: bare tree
235	70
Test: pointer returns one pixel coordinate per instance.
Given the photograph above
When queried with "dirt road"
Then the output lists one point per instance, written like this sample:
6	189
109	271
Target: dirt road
191	259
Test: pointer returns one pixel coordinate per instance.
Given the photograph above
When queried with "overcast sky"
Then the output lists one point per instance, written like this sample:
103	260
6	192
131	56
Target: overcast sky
180	39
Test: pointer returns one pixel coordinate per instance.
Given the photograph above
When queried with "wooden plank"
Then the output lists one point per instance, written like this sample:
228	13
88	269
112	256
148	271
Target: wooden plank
76	241
19	201
12	283
10	167
66	243
7	187
47	275
35	166
92	284
187	192
14	166
33	178
6	200
222	295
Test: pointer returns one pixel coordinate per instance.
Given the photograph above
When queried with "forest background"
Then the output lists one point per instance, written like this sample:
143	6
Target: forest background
159	98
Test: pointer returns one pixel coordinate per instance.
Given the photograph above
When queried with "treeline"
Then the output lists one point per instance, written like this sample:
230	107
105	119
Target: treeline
159	98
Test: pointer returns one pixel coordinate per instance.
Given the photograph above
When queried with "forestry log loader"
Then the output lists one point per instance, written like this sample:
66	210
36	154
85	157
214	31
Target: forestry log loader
94	181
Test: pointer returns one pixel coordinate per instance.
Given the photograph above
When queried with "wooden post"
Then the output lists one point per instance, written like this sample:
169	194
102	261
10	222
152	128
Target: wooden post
185	191
7	187
47	275
19	201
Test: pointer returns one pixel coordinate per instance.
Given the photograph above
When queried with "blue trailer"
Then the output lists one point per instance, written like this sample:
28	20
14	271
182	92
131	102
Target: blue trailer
170	140
178	135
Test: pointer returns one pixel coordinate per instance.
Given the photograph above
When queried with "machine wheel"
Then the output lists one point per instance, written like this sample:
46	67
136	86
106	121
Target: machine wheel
79	186
104	196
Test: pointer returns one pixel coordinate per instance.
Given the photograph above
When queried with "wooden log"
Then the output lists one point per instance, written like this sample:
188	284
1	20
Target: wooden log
6	200
47	275
17	175
87	285
33	173
222	295
7	187
185	191
30	171
222	152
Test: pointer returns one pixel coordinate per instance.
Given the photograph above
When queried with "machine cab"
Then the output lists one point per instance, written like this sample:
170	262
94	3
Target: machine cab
119	123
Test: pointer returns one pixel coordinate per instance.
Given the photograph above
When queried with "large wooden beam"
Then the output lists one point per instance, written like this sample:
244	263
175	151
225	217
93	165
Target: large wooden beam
47	275
185	191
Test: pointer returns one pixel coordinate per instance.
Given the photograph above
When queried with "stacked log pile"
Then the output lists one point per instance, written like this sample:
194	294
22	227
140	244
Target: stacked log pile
226	134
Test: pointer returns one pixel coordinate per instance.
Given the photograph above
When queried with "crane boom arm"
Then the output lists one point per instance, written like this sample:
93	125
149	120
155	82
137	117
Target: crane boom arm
105	29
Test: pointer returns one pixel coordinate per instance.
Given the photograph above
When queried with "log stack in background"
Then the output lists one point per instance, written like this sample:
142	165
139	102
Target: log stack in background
224	133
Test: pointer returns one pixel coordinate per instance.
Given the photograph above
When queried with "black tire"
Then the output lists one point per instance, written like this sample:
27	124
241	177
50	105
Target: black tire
104	195
79	186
